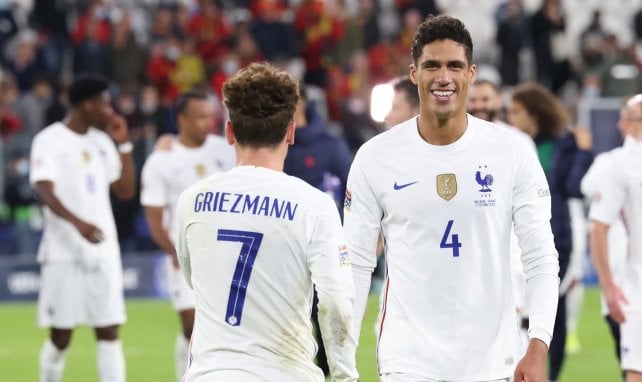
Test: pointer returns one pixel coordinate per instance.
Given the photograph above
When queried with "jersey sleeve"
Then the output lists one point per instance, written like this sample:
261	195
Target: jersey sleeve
113	163
362	224
609	196
330	266
185	203
593	177
44	163
531	218
153	192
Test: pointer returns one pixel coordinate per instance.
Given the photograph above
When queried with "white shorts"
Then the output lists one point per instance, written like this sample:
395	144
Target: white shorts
259	375
401	377
631	342
71	295
180	294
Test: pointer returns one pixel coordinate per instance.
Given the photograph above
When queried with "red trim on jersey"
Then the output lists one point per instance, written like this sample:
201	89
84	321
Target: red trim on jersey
384	309
189	360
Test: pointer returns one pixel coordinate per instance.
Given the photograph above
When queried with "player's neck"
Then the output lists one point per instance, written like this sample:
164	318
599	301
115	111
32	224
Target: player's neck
441	132
267	157
76	123
187	141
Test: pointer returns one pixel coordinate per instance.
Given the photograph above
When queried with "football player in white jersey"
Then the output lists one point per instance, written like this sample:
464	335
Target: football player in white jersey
445	188
252	241
617	235
620	194
166	174
74	165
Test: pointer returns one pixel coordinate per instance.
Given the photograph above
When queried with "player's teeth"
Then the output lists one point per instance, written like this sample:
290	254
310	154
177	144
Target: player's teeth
442	93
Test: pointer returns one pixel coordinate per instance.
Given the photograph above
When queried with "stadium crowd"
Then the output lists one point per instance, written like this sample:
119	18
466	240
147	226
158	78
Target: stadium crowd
155	50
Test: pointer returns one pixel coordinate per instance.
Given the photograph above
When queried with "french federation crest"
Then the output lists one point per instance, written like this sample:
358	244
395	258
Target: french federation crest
446	186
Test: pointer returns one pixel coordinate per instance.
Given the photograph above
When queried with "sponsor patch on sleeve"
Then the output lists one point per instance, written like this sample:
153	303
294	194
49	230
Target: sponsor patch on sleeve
347	202
344	257
543	192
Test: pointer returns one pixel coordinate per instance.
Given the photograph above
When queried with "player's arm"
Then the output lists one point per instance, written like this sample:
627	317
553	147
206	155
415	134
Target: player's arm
330	267
154	197
45	192
154	217
531	218
362	224
604	211
125	186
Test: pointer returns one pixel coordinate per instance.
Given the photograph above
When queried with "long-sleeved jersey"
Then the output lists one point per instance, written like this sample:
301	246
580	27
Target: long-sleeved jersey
252	242
446	214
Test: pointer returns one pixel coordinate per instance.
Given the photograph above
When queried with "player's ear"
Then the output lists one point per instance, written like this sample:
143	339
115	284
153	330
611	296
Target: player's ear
412	71
229	133
473	73
289	134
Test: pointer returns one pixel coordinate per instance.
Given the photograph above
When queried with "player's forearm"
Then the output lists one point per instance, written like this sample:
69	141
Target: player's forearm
599	253
125	187
154	217
45	193
361	278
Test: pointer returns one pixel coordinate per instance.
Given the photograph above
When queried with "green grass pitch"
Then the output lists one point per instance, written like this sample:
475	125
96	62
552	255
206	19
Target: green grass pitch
149	334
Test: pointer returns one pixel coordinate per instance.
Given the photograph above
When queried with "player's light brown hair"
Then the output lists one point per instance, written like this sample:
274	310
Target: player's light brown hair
261	100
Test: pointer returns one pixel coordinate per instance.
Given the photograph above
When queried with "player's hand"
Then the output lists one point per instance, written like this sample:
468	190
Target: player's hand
90	232
165	142
583	138
615	298
532	368
117	129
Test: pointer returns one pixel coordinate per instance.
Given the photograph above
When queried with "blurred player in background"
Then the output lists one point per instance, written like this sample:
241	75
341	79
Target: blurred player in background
617	235
253	241
405	102
166	173
445	189
74	165
619	195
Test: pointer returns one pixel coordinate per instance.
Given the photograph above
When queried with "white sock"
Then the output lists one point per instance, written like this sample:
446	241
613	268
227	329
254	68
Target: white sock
111	361
181	354
52	362
574	301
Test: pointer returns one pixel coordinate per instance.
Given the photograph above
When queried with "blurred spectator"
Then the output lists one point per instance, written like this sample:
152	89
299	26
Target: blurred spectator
368	20
211	30
405	102
24	62
50	19
128	57
164	25
161	64
550	44
8	27
622	75
274	37
350	30
512	33
425	7
31	107
10	122
190	69
91	53
59	104
319	34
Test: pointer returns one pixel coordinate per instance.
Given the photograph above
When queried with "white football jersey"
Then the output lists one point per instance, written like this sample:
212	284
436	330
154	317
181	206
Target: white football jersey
620	194
251	242
168	173
617	238
82	168
446	214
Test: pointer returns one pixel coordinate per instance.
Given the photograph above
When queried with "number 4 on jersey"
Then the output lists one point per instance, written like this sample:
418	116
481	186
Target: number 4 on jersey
454	244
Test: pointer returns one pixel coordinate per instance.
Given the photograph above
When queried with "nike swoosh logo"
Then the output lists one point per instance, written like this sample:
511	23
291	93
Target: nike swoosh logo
400	186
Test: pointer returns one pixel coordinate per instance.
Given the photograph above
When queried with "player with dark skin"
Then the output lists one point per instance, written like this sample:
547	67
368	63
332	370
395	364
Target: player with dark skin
95	112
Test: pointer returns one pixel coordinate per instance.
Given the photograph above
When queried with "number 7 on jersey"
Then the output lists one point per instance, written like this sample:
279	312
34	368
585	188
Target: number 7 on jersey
251	241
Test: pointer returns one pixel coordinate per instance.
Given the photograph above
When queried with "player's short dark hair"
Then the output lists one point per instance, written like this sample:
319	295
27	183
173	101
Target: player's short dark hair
441	27
261	100
85	87
493	85
405	85
183	100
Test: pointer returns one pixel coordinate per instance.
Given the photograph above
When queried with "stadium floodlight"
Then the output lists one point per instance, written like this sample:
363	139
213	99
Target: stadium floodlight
381	101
